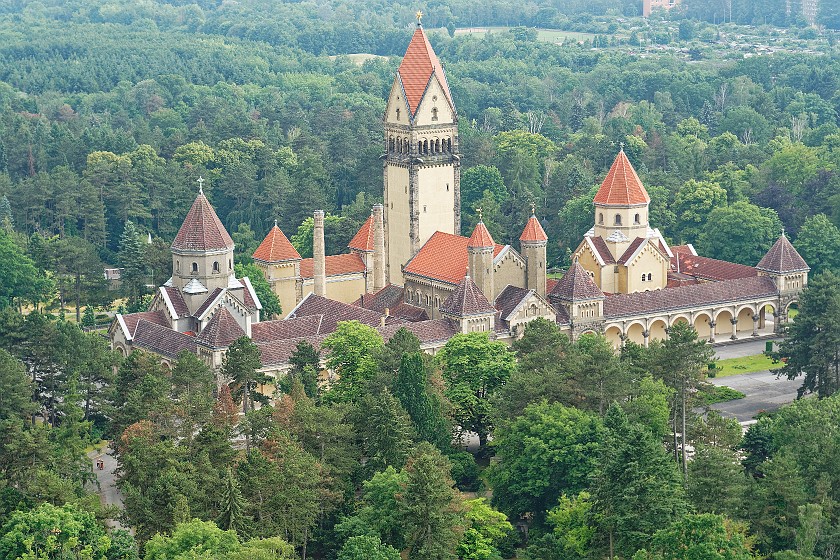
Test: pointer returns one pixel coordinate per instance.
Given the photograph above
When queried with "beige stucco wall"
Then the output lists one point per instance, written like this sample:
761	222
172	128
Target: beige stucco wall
182	269
436	200
603	276
629	226
648	261
397	221
346	288
434	98
510	270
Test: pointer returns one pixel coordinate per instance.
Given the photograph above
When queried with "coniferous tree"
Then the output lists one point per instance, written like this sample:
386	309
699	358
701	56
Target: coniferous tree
232	505
132	260
411	387
384	430
637	489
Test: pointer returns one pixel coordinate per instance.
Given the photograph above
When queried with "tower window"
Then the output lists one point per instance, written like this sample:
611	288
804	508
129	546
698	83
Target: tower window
398	114
177	266
434	113
424	208
600	217
447	187
636	219
195	268
216	269
618	219
650	276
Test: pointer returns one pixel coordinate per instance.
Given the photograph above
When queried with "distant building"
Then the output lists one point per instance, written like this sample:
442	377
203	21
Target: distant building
650	5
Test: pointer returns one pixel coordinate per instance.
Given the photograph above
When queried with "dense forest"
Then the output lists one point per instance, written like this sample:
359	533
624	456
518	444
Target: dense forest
111	111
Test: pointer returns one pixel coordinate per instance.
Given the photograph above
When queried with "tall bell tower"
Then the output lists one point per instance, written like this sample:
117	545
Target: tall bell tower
422	172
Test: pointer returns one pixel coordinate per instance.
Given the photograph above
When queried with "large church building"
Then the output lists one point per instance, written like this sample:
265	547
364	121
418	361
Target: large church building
409	267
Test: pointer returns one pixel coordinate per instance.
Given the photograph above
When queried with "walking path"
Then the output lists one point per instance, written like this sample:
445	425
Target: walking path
108	492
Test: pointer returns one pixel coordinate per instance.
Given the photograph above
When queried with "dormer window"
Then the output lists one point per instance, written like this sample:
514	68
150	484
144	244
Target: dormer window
618	219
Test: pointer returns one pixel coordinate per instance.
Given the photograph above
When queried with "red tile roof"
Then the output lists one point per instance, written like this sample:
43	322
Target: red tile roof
481	237
202	230
333	312
710	269
705	294
622	186
783	258
177	300
267	331
417	67
277	352
388	298
550	283
162	339
276	248
221	330
156	317
363	240
630	250
509	299
443	257
603	250
533	231
466	300
335	265
576	285
211	299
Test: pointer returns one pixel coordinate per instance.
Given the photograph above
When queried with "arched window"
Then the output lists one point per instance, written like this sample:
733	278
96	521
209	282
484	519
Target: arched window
434	113
449	145
398	113
216	269
618	219
177	266
600	217
195	268
650	276
643	276
230	265
636	219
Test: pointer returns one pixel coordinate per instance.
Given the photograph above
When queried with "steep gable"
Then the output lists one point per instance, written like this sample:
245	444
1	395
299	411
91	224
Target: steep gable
418	66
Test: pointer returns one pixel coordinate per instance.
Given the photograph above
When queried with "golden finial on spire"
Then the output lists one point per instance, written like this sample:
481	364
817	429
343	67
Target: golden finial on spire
419	16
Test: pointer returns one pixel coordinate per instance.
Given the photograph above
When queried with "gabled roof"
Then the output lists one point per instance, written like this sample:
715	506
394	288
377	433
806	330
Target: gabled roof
221	330
268	331
131	320
162	339
466	300
172	296
533	231
215	296
709	269
202	230
416	69
622	186
335	265
783	258
363	240
443	257
599	247
249	294
334	311
388	298
631	250
481	237
276	247
706	294
576	285
509	300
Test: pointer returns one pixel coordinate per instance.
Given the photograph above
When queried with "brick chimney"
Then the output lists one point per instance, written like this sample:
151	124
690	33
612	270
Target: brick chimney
378	248
318	255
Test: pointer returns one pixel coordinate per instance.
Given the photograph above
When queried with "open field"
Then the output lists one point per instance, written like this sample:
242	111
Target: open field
746	364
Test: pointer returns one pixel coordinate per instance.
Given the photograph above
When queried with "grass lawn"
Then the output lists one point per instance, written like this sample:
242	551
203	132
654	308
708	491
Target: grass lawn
720	394
747	364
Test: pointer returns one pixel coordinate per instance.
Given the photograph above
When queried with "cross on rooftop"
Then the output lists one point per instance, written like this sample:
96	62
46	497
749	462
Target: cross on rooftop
533	208
200	181
622	145
480	214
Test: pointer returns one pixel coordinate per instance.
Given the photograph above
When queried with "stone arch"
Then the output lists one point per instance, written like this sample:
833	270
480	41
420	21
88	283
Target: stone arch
658	329
723	322
701	324
635	332
679	319
613	335
745	318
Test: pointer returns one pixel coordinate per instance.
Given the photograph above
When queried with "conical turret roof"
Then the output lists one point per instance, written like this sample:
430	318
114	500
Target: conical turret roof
481	237
363	240
467	299
202	230
622	186
533	231
576	285
418	65
276	247
783	258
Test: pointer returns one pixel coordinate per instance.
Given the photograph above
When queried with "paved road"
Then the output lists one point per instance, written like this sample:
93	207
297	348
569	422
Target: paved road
108	491
750	347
